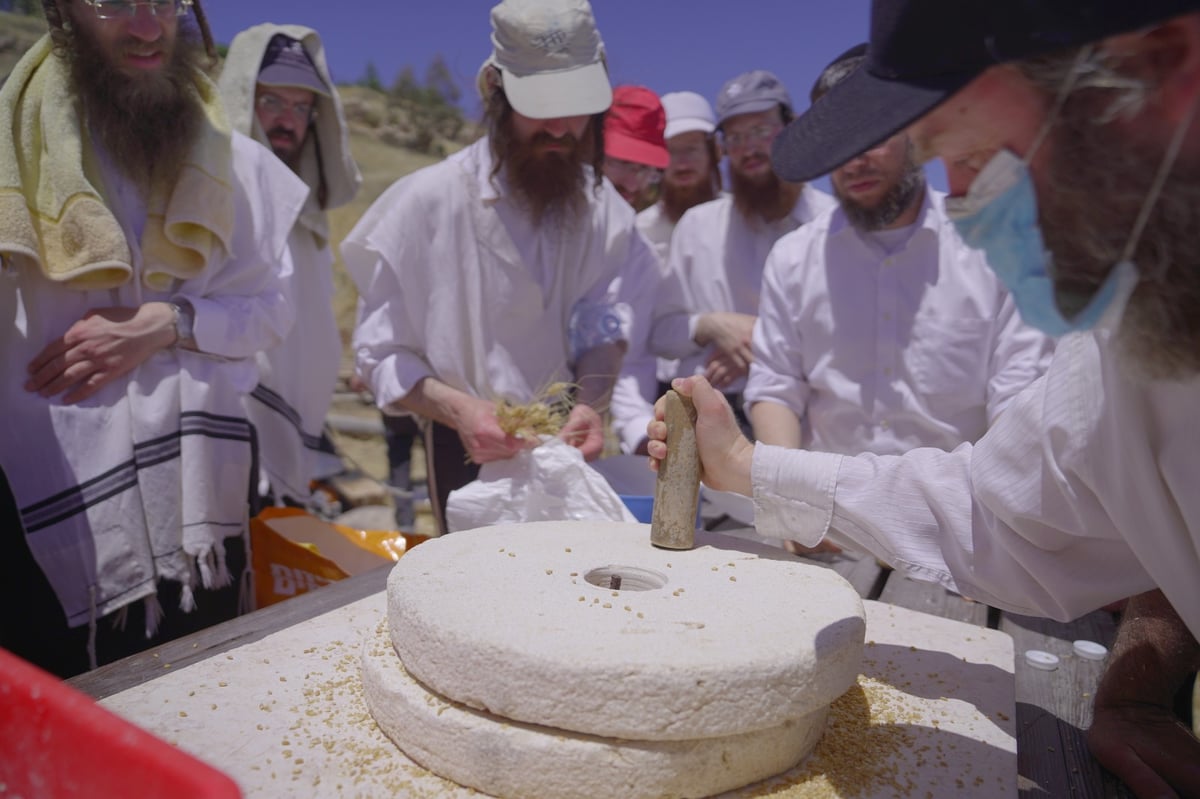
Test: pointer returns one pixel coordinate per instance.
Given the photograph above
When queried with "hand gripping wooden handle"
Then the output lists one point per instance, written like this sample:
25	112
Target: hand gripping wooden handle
673	525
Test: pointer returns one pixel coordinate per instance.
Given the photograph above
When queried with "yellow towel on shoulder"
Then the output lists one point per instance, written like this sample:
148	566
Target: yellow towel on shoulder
53	214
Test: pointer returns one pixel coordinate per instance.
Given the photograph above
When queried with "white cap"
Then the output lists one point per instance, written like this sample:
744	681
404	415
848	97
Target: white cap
1041	660
1089	650
687	111
550	57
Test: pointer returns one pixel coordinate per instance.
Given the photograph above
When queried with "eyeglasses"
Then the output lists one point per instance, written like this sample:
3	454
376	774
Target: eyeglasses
759	134
275	105
126	9
644	174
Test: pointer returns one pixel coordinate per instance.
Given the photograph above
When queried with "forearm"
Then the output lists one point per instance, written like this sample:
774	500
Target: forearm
775	424
433	399
725	329
1153	655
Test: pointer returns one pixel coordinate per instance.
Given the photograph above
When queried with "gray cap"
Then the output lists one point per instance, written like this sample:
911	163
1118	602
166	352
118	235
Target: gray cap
750	93
287	63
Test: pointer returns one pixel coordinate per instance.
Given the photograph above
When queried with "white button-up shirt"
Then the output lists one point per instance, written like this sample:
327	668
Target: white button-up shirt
457	283
885	351
657	227
714	259
717	256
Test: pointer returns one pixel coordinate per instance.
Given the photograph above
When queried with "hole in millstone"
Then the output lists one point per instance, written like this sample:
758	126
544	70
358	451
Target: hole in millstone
626	578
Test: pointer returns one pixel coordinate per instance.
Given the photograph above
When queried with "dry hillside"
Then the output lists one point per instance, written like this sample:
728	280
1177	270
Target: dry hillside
377	139
17	34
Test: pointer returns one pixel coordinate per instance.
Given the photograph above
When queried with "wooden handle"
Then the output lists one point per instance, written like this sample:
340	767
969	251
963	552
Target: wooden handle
673	525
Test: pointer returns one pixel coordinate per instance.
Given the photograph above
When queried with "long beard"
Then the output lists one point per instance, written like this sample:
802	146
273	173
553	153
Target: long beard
767	198
551	184
1100	179
146	122
677	199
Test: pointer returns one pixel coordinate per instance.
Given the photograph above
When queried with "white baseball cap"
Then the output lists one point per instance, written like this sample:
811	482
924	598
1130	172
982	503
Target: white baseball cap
550	57
687	111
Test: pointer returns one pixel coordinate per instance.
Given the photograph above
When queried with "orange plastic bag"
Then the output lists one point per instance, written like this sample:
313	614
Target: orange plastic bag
293	552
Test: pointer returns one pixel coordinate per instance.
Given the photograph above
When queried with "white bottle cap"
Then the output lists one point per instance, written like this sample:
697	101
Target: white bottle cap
1089	650
1041	660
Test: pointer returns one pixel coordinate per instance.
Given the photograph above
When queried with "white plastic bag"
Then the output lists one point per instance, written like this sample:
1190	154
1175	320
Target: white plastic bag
551	482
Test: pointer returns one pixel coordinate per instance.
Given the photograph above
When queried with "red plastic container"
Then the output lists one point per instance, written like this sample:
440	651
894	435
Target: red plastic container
56	742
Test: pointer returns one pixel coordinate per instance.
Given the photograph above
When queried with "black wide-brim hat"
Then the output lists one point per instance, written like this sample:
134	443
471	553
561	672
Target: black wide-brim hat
923	51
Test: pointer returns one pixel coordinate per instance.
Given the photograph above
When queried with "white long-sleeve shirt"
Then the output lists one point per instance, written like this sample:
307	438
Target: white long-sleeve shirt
657	227
456	282
717	256
883	351
714	262
1082	493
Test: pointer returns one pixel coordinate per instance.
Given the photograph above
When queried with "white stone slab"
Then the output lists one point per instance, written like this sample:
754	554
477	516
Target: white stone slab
512	759
285	717
714	641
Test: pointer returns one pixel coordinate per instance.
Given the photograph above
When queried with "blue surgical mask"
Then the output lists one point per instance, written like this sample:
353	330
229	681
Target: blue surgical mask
999	216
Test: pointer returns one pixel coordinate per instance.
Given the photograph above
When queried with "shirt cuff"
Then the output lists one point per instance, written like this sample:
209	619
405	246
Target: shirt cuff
793	492
395	376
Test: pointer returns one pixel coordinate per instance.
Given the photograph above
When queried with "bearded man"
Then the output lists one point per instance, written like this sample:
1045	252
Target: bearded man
879	330
277	88
142	248
693	173
692	177
719	248
510	266
1068	133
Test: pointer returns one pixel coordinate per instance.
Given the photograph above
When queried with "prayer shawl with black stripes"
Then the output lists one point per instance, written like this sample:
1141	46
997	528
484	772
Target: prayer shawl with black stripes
297	377
145	480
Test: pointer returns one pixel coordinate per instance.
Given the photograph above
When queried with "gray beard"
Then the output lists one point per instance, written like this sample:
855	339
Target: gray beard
1100	180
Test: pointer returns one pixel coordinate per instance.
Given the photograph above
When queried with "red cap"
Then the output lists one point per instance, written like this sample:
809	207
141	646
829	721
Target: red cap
633	127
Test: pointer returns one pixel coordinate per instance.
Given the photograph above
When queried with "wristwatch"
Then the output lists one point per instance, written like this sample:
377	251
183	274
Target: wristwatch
185	317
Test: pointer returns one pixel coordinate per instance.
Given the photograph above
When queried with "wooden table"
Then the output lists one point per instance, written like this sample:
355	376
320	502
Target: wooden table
1053	708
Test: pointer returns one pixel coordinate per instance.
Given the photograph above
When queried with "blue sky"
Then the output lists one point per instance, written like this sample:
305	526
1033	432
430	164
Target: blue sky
667	45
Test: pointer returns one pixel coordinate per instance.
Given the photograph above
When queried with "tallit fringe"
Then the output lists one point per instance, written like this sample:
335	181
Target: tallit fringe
214	571
187	599
154	614
246	591
91	643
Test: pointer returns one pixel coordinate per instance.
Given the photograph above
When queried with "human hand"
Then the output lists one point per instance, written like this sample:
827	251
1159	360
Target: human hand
722	370
730	333
107	343
1147	747
584	430
481	435
725	454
